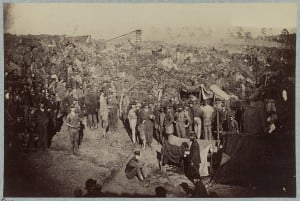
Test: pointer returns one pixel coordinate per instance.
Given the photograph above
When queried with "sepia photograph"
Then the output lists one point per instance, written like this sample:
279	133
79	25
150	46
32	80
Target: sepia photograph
149	100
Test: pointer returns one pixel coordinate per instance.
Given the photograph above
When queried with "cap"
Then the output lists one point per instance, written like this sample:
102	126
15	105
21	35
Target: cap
137	153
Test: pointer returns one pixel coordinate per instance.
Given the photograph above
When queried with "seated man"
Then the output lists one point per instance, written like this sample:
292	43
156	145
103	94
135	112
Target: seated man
135	167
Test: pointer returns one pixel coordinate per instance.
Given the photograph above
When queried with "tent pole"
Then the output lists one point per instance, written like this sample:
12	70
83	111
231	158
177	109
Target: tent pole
218	131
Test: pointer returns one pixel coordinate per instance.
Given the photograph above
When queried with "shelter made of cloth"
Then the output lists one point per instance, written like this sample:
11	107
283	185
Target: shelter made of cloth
205	145
256	160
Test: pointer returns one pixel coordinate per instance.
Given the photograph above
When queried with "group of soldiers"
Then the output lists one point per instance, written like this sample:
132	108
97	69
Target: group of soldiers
31	116
35	111
148	120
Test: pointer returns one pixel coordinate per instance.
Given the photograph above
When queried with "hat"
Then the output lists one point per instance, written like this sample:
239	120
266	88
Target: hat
137	153
192	135
180	106
133	103
168	106
90	183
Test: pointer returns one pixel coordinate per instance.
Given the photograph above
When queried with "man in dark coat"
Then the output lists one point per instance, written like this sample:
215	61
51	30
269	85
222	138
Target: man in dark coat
43	121
194	159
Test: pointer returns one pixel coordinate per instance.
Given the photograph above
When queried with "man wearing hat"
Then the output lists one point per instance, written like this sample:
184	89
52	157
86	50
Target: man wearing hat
208	113
197	111
135	167
73	123
169	120
148	117
132	117
188	109
103	112
42	122
233	124
194	158
182	120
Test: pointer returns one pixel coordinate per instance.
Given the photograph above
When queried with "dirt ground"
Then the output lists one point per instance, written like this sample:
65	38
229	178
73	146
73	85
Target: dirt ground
56	173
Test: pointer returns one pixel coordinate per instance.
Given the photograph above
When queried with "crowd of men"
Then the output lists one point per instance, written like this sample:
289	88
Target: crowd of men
35	111
154	119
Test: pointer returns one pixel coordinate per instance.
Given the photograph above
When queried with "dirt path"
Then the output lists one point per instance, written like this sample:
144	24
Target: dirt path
57	172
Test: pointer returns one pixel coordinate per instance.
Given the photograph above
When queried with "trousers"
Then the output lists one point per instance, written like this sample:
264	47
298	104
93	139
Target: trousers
74	138
91	120
180	129
197	126
207	132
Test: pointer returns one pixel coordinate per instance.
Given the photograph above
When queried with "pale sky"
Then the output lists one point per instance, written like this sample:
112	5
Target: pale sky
109	20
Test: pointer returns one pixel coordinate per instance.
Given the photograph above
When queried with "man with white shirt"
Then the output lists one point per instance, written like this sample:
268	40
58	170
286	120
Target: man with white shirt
207	112
132	117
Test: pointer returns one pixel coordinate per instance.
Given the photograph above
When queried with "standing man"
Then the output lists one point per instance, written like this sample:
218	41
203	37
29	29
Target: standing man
161	129
43	121
73	123
207	112
195	159
169	121
91	108
103	113
181	117
52	109
132	117
197	110
148	117
188	108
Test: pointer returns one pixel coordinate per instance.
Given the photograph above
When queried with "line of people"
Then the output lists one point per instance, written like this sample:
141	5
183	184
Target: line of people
148	120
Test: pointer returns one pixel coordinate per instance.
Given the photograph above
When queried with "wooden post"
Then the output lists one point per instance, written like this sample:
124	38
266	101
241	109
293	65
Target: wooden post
217	108
218	130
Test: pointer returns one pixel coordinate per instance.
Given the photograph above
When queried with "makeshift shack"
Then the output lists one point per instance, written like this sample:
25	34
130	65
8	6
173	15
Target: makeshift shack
205	146
255	160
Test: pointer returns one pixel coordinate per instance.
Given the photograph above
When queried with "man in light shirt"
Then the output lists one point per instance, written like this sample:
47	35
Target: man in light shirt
207	112
132	117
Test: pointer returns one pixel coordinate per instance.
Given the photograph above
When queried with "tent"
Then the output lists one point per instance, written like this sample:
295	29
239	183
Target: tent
205	146
255	160
219	92
201	92
198	90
